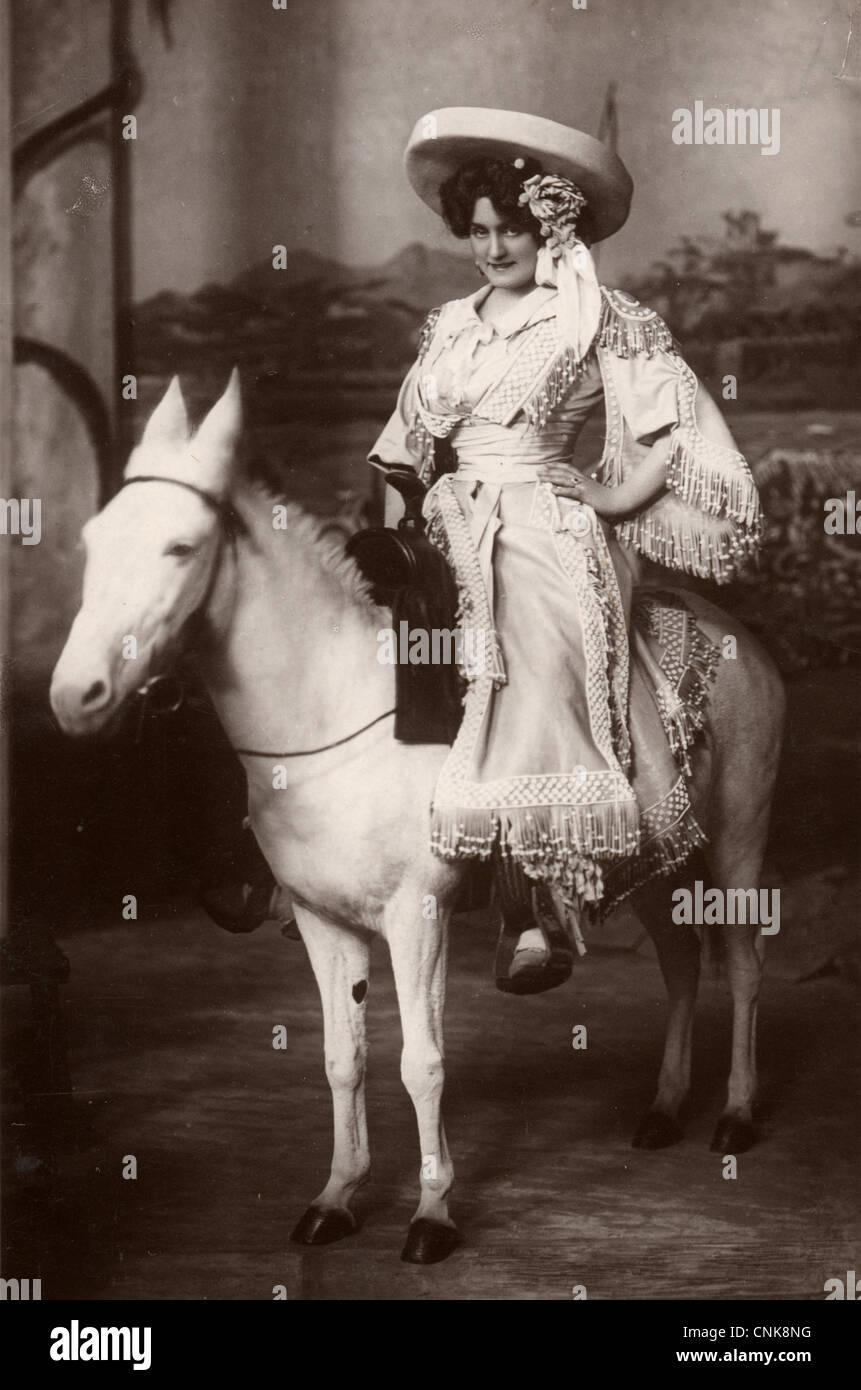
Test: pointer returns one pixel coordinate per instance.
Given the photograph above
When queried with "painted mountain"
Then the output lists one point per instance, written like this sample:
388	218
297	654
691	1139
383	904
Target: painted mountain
315	328
319	337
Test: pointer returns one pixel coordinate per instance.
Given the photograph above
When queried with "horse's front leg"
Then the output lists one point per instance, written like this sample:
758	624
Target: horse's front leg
339	959
745	950
678	951
419	951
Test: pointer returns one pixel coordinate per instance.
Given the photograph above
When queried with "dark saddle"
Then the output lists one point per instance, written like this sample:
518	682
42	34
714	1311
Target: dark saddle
413	578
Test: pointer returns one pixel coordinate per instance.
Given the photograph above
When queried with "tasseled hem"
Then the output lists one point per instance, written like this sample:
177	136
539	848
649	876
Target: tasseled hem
688	543
658	857
548	842
626	337
540	843
602	830
715	479
580	880
565	370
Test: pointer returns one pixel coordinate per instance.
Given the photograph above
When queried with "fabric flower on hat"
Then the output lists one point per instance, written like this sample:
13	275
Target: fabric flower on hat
555	203
564	261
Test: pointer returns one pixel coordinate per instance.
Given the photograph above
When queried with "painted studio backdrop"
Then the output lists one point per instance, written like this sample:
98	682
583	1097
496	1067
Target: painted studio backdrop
203	185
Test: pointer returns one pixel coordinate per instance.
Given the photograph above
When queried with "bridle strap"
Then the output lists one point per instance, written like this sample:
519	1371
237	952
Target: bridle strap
223	510
230	520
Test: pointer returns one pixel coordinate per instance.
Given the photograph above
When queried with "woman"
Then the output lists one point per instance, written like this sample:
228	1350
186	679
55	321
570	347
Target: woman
569	765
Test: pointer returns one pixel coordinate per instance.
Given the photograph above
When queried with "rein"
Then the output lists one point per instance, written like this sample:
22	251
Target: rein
324	747
155	687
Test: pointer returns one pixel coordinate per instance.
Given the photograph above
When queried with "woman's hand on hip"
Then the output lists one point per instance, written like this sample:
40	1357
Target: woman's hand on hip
568	481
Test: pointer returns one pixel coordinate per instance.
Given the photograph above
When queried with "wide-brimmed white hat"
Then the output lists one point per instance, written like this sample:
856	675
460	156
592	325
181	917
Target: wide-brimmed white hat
444	140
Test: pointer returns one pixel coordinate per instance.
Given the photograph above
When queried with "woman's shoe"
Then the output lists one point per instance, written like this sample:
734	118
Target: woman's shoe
534	949
528	961
544	959
532	971
530	954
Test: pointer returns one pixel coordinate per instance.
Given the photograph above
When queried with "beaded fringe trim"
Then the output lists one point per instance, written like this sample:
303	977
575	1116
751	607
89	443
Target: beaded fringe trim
688	720
713	478
426	332
658	858
724	524
564	371
422	440
625	337
449	532
683	723
547	842
690	664
620	335
715	483
687	544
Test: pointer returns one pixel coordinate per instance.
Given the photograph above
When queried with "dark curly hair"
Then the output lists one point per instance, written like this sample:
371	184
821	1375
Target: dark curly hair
495	179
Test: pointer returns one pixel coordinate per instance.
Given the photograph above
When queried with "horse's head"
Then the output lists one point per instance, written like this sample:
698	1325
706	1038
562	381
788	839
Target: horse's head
151	555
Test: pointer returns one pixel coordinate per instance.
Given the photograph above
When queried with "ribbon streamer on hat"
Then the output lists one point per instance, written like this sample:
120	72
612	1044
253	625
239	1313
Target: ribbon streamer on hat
564	261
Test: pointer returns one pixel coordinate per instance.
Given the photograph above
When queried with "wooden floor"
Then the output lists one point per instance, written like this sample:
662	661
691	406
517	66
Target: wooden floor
169	1027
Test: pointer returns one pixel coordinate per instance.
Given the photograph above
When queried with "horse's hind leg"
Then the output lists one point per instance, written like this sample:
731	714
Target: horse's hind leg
678	951
735	1132
740	809
419	951
339	960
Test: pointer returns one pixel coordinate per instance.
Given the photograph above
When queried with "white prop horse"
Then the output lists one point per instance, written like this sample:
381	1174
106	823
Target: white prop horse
286	641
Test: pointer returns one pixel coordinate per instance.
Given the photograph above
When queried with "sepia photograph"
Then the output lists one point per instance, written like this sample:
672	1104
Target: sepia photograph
430	622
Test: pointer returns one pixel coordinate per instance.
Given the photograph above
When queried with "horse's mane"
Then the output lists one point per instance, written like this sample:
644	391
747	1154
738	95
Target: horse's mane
314	535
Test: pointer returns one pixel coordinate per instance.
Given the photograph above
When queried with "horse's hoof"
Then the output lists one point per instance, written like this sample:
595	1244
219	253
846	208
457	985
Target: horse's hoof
733	1136
428	1242
657	1131
320	1226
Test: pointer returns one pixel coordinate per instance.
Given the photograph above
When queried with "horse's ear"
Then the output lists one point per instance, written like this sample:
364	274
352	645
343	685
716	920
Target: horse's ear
169	421
215	441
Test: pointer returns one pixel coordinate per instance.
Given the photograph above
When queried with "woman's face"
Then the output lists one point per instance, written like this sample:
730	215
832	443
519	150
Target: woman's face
507	254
